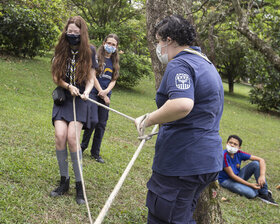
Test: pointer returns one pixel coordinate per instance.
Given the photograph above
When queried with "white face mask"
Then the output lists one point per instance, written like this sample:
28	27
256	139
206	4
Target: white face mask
231	149
162	58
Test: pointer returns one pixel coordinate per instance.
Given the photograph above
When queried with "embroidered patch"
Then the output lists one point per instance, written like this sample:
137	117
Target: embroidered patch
182	81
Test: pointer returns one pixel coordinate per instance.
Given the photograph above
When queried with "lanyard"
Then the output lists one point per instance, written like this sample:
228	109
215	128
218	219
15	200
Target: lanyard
197	53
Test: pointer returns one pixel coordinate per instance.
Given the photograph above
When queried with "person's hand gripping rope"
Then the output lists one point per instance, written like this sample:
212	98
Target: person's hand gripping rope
141	124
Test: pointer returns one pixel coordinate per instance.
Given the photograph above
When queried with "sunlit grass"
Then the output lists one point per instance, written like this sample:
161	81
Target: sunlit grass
28	166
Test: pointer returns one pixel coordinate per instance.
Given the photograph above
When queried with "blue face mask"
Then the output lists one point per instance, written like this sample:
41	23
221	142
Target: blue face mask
73	39
109	49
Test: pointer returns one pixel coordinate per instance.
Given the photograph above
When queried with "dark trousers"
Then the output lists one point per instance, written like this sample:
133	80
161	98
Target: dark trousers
173	199
98	129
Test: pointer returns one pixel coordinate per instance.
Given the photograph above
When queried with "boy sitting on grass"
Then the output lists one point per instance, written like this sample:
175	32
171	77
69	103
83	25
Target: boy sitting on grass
236	180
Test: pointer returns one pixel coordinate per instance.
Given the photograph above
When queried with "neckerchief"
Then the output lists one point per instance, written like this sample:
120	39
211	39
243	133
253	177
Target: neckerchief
72	70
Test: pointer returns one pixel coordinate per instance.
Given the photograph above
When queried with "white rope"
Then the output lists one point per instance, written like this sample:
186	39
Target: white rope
109	201
79	164
109	108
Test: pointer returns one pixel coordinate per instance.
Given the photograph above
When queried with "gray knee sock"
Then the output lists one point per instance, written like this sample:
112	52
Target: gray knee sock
62	160
76	165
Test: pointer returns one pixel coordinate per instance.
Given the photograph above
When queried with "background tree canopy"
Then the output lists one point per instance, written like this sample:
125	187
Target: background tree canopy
241	39
127	20
30	28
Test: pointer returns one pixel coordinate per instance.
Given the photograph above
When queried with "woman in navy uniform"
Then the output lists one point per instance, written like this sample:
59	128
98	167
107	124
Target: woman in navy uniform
73	68
107	75
188	151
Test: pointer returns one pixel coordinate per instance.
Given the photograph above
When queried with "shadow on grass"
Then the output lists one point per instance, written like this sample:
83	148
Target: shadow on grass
236	96
9	57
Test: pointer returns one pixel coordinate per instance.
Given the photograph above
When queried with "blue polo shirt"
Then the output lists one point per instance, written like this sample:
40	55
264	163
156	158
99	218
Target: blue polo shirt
234	163
191	145
105	77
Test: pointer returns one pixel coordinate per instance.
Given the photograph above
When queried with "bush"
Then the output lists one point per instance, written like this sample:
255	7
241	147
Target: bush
266	92
135	61
265	81
26	31
132	68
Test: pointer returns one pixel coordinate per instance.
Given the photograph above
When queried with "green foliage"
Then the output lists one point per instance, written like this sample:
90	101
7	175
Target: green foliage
235	56
266	82
133	68
127	20
134	61
29	28
265	21
230	61
224	46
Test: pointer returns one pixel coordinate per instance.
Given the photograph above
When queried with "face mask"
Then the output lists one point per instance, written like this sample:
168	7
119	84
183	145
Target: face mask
231	149
73	39
109	49
162	58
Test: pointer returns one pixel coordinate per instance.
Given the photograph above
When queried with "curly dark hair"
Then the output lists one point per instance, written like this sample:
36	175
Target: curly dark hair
177	28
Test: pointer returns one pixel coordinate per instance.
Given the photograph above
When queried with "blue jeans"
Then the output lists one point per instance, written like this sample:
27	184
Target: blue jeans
245	173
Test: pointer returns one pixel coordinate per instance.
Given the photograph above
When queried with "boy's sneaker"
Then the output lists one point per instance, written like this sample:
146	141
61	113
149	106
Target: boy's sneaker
267	198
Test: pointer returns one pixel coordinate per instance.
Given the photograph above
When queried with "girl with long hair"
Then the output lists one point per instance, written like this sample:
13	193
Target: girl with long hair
104	82
73	69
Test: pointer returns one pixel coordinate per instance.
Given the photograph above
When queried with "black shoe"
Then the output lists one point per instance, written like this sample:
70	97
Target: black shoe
267	198
98	159
83	148
62	188
79	193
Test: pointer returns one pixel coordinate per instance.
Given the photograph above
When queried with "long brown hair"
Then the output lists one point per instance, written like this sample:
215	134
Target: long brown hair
63	53
114	56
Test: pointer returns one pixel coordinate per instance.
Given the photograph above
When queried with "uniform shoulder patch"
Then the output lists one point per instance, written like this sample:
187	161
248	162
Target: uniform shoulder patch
182	81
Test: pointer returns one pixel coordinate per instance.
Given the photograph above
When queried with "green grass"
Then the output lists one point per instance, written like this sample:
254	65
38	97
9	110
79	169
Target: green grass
28	166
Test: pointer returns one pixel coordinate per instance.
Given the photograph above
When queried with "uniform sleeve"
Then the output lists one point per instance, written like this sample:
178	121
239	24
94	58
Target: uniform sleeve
179	82
93	58
244	155
225	161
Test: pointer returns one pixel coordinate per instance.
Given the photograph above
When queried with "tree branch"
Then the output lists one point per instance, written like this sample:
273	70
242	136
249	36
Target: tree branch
258	43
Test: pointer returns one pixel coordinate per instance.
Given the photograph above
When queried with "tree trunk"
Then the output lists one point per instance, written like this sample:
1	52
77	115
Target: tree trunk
208	209
230	83
156	10
258	43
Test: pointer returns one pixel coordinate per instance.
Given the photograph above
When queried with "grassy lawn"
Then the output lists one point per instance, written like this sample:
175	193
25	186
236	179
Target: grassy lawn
28	166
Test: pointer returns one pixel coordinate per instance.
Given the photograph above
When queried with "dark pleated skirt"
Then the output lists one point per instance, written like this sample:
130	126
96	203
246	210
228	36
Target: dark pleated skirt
65	111
92	119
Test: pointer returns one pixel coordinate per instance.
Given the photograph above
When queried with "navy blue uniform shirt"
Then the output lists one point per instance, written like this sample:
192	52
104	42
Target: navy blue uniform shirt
105	77
191	145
